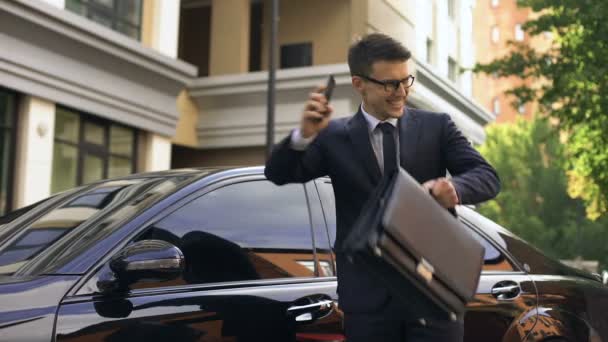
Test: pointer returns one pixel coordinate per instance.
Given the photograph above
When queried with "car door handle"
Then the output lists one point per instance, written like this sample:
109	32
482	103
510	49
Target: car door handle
506	290
312	311
323	304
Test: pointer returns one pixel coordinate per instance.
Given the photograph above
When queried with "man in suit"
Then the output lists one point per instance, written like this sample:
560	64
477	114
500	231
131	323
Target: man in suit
356	152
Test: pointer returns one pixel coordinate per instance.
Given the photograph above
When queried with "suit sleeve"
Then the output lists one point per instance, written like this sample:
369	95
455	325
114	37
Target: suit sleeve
286	165
473	177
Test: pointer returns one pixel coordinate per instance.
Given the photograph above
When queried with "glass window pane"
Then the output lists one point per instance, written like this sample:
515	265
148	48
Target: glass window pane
92	169
108	3
119	167
121	140
5	164
326	191
75	6
7	103
94	133
238	232
67	125
130	11
128	30
100	18
65	161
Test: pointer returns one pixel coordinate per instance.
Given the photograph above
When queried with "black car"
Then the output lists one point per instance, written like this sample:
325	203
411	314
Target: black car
225	255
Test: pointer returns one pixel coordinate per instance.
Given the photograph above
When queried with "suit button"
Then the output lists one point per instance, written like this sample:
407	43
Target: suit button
422	322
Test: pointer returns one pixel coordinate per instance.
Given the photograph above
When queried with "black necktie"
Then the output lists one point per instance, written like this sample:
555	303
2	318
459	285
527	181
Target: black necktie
388	148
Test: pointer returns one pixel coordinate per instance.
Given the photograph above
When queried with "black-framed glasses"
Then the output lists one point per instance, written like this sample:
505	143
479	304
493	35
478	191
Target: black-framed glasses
391	85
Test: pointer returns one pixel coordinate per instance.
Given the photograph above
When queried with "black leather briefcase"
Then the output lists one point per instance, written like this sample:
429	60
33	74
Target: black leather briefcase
406	237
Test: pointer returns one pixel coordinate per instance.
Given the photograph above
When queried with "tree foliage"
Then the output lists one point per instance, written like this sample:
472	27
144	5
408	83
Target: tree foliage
570	82
534	202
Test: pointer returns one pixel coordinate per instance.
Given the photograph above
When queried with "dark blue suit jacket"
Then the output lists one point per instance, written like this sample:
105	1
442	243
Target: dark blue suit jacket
430	145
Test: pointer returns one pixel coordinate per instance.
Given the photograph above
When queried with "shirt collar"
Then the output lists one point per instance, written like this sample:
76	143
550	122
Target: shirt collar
372	121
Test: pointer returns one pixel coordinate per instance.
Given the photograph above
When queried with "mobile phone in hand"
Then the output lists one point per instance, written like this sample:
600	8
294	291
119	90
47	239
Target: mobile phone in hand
329	89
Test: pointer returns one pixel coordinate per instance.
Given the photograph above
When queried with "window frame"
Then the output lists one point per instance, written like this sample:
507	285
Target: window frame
496	106
84	147
518	33
517	266
91	8
452	9
185	200
12	150
495	34
453	69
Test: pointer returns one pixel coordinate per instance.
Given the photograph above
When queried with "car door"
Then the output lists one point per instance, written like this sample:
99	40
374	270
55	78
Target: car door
250	274
504	308
505	303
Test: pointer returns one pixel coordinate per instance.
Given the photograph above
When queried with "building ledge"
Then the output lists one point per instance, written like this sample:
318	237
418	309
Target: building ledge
70	60
233	107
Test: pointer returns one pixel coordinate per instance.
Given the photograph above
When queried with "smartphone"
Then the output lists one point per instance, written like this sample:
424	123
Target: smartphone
329	88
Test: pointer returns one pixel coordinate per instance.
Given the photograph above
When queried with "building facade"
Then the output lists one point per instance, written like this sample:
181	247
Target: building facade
228	98
97	89
496	22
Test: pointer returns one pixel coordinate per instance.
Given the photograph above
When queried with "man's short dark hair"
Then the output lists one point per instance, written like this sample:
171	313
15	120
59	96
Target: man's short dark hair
373	48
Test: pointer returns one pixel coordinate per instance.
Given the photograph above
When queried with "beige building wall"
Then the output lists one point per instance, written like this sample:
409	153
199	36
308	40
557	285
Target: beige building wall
34	162
185	133
394	18
229	51
154	152
160	26
326	24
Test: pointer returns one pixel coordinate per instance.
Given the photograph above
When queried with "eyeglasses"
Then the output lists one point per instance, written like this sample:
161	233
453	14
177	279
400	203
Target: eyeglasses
392	85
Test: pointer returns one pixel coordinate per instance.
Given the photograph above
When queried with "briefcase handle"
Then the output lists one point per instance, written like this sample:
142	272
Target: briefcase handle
450	210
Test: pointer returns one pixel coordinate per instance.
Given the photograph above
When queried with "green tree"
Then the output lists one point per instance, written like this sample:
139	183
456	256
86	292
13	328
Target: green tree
534	202
570	82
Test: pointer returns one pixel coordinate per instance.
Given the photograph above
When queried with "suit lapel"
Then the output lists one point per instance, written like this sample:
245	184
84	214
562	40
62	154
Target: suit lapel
359	136
408	139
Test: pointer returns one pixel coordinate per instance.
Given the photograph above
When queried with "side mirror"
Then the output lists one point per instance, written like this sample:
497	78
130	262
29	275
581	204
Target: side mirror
143	261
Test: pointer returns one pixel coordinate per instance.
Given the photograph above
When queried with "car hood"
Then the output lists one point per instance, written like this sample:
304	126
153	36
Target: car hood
28	305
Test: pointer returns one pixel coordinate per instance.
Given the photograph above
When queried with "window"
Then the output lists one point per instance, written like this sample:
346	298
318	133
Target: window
296	55
8	107
494	3
493	259
195	35
519	33
123	16
495	34
452	9
243	231
429	51
88	149
452	70
496	106
255	36
326	191
521	109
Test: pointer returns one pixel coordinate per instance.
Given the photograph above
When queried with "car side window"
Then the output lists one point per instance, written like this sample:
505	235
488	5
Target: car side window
326	192
243	231
493	259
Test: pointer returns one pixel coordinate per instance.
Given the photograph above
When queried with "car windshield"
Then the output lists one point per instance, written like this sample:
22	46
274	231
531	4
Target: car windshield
32	231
